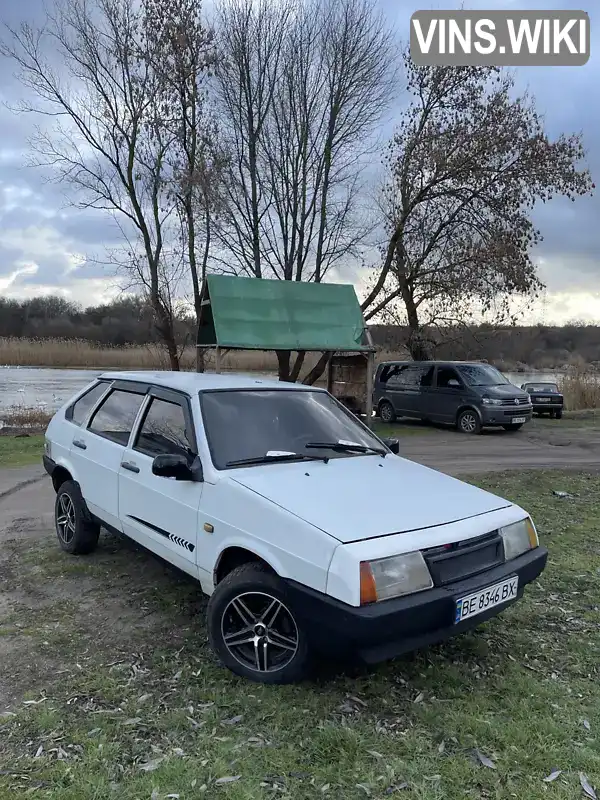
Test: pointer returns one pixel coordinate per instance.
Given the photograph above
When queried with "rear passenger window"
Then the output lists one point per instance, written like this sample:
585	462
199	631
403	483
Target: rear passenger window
164	430
445	375
115	417
79	411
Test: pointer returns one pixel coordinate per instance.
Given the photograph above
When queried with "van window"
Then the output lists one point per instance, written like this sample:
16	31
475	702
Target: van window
446	374
115	417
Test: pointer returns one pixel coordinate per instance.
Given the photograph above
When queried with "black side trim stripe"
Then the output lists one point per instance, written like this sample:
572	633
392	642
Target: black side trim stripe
171	536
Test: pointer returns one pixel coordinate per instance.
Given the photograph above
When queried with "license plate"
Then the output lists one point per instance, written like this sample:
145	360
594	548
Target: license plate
487	598
543	400
519	420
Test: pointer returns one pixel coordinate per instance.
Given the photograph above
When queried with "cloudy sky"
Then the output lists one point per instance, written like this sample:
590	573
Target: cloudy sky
48	247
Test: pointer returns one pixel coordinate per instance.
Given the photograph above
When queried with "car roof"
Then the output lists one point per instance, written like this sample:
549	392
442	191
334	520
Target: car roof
191	382
438	363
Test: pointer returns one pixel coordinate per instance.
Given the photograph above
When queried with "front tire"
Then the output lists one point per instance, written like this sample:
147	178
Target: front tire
386	412
558	415
77	532
253	629
468	422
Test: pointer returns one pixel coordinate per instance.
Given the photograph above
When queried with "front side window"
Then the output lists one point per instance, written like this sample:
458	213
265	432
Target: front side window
482	375
115	417
252	424
447	378
81	408
164	431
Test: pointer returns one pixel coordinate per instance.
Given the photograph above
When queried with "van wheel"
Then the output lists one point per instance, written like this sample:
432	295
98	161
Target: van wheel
386	412
558	415
253	630
77	532
468	422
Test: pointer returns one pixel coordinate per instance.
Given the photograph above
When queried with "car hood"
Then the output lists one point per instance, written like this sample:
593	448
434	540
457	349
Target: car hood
364	497
503	392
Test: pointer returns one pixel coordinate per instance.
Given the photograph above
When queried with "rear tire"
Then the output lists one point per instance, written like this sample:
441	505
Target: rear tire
552	414
512	428
253	630
386	412
468	422
76	530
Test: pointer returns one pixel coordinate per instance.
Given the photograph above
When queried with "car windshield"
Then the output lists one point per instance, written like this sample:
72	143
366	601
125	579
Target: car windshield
263	425
482	375
542	387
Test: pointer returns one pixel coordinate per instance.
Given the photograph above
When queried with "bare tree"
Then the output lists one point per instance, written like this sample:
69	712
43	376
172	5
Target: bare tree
185	55
90	70
466	166
302	88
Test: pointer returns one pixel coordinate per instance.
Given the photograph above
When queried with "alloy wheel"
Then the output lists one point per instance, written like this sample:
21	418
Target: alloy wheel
385	412
65	520
468	423
260	632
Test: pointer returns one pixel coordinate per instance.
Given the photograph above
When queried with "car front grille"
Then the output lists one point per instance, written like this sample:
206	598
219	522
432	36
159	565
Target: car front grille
522	402
461	560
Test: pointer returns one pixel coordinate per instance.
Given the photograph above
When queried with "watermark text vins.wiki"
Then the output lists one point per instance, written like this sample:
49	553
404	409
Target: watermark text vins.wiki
500	38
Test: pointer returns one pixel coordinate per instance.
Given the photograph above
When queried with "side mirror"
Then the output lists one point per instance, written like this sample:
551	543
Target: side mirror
178	467
453	384
393	444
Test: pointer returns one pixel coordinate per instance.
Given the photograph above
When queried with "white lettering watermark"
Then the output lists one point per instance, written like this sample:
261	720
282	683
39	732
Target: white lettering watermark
500	38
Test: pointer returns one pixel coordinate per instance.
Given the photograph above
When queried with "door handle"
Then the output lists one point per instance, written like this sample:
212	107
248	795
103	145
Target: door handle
80	444
131	467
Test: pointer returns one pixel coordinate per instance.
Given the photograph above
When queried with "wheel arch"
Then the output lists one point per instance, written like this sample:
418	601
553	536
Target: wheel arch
235	555
60	474
468	407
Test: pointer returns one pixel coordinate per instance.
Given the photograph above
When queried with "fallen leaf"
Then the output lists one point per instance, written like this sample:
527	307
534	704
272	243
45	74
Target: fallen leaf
585	785
39	751
150	766
325	788
553	775
359	701
94	731
483	759
441	747
587	725
374	753
397	788
233	720
227	779
143	698
132	721
155	794
419	698
365	789
173	796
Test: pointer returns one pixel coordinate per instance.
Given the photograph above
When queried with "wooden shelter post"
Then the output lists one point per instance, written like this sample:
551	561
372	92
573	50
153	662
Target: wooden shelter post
369	398
218	360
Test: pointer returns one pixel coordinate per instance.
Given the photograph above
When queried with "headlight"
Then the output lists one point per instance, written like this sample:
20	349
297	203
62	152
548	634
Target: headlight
491	401
519	538
393	577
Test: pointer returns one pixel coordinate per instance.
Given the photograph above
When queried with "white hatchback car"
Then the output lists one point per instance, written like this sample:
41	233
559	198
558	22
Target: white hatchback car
307	531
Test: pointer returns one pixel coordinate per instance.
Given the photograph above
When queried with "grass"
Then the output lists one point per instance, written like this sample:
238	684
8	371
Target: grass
19	451
581	390
125	713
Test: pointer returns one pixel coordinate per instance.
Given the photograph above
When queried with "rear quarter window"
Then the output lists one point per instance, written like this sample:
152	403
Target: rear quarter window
79	411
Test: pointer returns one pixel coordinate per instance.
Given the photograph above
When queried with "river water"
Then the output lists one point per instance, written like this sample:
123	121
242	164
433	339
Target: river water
34	387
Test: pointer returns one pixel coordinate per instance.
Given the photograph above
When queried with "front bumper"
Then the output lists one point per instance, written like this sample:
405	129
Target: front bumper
504	415
547	406
384	630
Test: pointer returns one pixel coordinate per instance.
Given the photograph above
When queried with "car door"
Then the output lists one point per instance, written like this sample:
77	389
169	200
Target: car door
425	399
396	390
446	395
161	513
97	450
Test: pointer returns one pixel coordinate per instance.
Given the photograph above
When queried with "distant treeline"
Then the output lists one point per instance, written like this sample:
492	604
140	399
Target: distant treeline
129	320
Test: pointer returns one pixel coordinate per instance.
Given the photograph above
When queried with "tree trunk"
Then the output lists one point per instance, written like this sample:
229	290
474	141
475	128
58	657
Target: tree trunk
418	344
317	370
283	360
295	373
200	362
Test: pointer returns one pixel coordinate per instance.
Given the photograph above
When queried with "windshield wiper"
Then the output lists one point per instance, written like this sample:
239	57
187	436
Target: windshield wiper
346	447
267	459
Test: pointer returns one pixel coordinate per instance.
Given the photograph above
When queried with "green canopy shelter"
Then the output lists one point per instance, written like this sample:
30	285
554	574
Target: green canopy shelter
259	314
